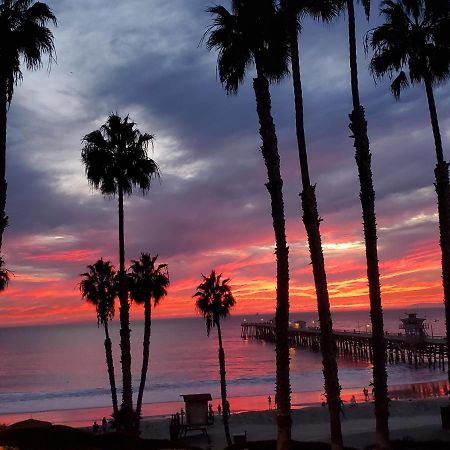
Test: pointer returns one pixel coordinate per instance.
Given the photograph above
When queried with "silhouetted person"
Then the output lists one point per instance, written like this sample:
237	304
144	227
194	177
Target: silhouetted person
95	427
227	408
353	401
269	399
104	425
219	409
366	394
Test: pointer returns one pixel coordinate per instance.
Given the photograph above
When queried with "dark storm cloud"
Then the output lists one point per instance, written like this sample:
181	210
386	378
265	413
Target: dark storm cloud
179	90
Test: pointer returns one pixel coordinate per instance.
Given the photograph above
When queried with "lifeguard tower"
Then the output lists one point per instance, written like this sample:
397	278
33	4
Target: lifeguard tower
414	328
197	413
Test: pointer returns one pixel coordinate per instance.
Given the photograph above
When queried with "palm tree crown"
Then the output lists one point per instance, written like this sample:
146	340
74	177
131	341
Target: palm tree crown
116	156
324	10
148	280
99	287
23	34
214	299
249	34
416	36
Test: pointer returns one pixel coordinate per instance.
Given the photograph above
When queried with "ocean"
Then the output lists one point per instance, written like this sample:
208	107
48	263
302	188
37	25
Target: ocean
62	368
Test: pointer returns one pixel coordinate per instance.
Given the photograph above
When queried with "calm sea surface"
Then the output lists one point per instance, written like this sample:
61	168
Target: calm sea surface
63	366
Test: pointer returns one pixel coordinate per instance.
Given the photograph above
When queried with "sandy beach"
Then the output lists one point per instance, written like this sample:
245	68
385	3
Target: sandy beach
416	419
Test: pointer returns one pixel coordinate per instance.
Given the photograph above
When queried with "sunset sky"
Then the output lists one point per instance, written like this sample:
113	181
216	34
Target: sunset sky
210	209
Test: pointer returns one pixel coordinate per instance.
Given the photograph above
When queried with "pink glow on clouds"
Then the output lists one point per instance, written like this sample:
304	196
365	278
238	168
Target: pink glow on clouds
43	293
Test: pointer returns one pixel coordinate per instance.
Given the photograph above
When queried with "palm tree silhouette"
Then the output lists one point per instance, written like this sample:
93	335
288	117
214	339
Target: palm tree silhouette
23	37
363	157
4	275
147	281
116	160
294	11
214	301
99	288
250	34
415	38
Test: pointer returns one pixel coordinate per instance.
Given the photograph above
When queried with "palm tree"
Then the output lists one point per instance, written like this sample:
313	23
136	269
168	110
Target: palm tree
99	288
4	275
294	11
363	157
147	281
415	39
25	37
116	160
214	301
250	34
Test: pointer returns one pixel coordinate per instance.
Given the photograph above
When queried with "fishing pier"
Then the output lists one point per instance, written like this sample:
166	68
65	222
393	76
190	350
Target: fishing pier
414	346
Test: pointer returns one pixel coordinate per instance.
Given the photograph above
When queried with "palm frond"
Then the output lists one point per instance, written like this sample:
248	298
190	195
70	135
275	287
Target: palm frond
320	10
5	275
399	84
366	6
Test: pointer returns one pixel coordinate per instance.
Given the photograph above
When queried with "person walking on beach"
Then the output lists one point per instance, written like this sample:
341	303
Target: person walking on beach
219	409
95	427
210	413
104	425
269	399
366	394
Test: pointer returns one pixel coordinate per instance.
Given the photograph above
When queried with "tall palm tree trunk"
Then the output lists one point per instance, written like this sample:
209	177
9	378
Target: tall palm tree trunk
443	192
223	386
110	365
126	417
311	220
145	354
275	187
3	184
358	126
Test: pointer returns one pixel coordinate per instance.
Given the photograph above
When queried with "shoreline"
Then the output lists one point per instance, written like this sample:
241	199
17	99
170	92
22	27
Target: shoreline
82	417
